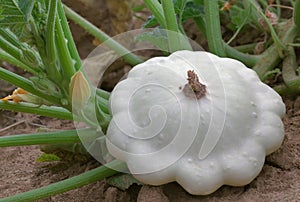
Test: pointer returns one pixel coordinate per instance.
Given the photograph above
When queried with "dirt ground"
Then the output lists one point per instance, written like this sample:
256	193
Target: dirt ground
19	171
278	181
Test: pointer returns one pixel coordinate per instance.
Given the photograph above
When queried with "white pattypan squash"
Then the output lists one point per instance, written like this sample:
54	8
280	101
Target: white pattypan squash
169	126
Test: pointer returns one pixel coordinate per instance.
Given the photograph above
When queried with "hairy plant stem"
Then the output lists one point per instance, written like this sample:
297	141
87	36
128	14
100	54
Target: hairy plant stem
8	58
213	28
296	13
26	84
20	51
57	137
50	59
102	93
43	110
10	49
246	48
247	59
65	59
68	36
270	58
96	32
88	177
291	79
171	26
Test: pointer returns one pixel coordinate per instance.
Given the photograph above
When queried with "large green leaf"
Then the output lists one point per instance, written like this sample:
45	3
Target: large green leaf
15	15
12	17
186	9
157	37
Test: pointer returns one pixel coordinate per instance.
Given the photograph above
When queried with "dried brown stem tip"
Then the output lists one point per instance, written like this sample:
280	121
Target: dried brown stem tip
194	88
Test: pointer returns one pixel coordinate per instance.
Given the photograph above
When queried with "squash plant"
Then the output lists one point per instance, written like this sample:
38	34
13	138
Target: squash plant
34	36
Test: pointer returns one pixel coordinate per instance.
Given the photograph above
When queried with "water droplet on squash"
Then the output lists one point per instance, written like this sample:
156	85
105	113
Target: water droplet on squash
253	104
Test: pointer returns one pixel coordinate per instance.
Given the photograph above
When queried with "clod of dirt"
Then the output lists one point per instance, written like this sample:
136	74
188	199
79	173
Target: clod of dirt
113	194
194	88
149	194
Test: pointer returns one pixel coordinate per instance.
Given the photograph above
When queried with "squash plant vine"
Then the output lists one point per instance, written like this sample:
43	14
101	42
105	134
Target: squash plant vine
35	36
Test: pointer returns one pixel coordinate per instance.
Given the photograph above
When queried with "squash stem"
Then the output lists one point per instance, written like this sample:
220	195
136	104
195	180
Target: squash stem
8	58
213	28
67	136
96	32
69	184
68	35
26	85
49	111
171	25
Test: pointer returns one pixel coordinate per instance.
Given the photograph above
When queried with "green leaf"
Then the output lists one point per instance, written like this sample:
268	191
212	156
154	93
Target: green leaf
47	158
186	9
12	17
238	17
192	11
157	37
122	181
151	22
11	12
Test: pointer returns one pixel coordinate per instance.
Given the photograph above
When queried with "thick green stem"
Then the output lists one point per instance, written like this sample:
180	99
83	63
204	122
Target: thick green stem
289	75
103	103
51	67
65	59
270	58
19	50
247	59
213	28
10	37
156	10
25	84
284	90
10	49
289	67
296	14
96	32
103	93
246	48
57	137
49	111
69	184
172	26
68	35
8	58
